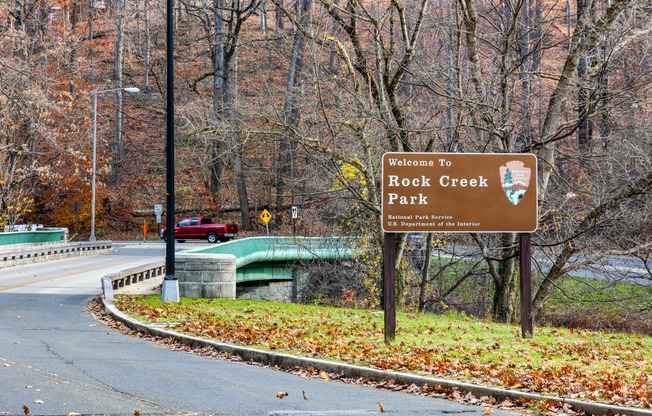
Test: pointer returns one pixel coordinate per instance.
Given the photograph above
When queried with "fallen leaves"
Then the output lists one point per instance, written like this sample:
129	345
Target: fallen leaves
595	366
281	394
382	408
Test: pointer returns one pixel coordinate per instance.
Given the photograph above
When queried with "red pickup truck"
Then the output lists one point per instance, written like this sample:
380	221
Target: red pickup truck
200	228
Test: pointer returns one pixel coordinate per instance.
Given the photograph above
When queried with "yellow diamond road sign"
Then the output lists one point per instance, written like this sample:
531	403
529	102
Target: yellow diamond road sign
266	216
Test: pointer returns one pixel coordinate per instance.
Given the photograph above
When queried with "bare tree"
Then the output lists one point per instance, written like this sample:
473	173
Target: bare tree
291	110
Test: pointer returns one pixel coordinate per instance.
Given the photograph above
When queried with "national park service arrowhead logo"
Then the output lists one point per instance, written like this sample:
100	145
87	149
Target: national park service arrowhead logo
515	179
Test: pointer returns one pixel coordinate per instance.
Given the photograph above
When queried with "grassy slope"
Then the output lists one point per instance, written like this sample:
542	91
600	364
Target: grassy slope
605	367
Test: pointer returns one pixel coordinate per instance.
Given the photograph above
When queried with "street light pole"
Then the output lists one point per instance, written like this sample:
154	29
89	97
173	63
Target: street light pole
130	89
170	289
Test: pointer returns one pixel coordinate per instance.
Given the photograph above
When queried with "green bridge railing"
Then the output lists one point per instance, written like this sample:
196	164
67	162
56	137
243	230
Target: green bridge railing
265	258
30	237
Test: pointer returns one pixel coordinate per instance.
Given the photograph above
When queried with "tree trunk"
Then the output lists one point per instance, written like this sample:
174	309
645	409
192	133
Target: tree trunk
147	45
279	17
215	164
291	108
242	191
505	292
263	16
118	144
74	16
91	17
334	60
585	129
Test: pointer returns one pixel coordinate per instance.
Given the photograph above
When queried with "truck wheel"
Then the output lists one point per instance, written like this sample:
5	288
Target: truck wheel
211	237
181	241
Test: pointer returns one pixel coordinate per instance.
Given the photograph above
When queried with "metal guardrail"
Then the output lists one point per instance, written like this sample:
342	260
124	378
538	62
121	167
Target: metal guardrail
42	235
130	276
13	255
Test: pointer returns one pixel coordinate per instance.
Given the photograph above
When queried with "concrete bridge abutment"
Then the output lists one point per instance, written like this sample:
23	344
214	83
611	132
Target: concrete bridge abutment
206	275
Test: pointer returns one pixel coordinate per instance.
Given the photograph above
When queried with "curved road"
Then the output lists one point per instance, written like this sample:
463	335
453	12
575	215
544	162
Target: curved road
55	358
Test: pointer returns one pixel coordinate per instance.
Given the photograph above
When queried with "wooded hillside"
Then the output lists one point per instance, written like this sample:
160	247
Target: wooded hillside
283	103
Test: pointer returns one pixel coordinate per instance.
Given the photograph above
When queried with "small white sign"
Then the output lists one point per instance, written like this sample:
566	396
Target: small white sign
158	209
295	212
158	218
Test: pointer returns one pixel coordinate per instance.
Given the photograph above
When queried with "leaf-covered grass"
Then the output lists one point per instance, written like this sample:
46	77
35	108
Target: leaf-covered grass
606	367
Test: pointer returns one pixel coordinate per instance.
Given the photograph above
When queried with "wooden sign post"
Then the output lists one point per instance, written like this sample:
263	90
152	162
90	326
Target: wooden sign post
458	193
389	286
526	286
76	205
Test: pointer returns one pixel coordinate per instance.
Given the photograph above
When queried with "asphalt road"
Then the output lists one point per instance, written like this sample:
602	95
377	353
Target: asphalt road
613	268
55	358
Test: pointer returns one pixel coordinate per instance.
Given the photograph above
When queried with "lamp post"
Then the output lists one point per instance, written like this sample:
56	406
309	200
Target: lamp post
131	89
170	289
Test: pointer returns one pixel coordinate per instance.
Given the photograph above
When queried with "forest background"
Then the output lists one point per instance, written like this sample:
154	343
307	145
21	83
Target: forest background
285	103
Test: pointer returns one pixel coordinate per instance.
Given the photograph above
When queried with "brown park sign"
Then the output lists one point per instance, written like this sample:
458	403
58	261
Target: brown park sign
459	192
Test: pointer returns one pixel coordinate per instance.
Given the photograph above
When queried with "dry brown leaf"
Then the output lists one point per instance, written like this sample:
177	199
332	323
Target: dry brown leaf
281	394
304	395
25	409
324	375
382	408
488	411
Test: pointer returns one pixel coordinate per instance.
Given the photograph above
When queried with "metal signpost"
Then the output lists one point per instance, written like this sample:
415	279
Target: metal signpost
266	216
76	205
454	193
158	211
295	215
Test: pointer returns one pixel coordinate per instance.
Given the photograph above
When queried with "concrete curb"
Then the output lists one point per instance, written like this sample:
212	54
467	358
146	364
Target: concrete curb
353	371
